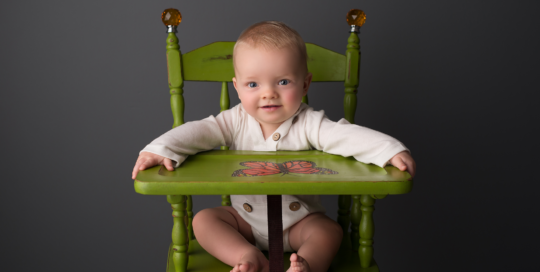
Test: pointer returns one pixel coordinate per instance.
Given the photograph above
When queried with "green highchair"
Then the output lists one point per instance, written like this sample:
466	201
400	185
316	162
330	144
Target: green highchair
357	183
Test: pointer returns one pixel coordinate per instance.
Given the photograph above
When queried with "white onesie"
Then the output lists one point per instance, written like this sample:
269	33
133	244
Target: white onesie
305	130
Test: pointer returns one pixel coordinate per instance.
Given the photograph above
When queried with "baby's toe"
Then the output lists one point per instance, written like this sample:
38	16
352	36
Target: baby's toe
296	262
241	268
245	267
293	258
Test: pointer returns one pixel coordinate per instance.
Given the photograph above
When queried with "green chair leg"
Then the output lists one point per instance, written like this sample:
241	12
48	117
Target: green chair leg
179	233
367	229
344	220
189	210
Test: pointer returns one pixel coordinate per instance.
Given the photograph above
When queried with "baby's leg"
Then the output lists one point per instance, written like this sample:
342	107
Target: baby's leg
316	238
227	236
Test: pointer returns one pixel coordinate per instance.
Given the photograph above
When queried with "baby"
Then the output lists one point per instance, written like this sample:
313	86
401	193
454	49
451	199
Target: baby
271	77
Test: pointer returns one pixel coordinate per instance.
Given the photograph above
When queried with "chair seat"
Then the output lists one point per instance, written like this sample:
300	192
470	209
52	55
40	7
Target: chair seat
222	172
346	260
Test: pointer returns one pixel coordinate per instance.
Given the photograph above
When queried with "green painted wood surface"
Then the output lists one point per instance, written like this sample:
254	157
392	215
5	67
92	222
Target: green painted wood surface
210	173
225	200
356	216
305	99
176	82
367	229
352	74
346	260
213	62
180	239
224	102
189	210
325	64
344	220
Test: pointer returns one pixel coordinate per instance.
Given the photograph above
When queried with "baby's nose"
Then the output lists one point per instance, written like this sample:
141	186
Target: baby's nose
269	93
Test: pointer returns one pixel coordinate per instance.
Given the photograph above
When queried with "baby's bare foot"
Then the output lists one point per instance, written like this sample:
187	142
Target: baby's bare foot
298	264
253	261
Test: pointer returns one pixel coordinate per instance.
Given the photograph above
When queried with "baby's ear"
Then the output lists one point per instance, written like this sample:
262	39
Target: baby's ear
234	84
307	82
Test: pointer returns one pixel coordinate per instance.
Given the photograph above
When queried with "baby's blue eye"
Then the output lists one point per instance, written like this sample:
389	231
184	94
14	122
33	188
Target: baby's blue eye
283	82
252	84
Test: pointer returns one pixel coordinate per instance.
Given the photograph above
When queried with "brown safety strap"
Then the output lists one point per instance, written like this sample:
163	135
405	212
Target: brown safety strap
275	233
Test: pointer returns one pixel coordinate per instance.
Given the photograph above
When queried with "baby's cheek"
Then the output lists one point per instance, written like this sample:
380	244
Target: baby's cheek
292	97
250	105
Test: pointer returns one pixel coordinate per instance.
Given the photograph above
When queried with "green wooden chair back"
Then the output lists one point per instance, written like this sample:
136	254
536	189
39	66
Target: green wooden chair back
213	62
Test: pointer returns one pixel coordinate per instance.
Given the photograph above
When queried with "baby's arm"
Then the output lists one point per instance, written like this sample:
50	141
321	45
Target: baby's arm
364	144
147	160
173	147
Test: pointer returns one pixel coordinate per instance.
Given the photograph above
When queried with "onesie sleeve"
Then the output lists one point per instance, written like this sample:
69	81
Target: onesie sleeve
193	137
346	139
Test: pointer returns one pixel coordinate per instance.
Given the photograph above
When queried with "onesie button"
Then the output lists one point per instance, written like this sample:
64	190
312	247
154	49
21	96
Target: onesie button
276	136
295	206
247	207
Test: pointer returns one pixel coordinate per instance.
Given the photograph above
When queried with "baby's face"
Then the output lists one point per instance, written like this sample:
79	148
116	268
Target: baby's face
270	83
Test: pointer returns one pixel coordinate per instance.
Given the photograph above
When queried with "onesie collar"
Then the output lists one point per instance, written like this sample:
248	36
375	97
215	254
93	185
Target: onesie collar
261	144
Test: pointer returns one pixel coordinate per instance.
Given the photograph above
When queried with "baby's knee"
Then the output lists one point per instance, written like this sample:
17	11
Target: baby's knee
204	217
334	228
324	225
211	216
329	228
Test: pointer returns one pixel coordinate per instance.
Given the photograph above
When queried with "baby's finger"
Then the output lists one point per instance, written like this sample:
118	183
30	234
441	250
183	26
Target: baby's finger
146	163
136	169
168	164
134	172
411	166
398	162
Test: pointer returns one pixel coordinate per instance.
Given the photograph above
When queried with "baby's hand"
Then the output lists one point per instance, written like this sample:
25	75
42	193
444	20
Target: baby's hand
403	161
147	159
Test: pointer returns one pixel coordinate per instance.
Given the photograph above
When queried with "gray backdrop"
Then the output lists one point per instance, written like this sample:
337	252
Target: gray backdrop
83	87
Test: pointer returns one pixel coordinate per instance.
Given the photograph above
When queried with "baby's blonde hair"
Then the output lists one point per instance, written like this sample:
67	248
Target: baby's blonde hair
273	35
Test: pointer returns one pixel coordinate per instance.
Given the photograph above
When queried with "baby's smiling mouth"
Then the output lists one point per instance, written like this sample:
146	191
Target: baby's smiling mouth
270	107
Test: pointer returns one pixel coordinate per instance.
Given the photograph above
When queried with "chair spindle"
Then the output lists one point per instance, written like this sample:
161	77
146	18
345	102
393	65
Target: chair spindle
305	99
344	204
180	204
356	215
189	209
351	78
367	229
225	200
176	82
225	103
179	233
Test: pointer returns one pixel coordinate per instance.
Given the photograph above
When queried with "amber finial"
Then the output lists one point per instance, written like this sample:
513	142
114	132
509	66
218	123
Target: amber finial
356	18
171	16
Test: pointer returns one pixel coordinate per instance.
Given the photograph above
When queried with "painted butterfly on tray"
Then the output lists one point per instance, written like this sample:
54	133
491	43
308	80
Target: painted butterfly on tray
261	168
